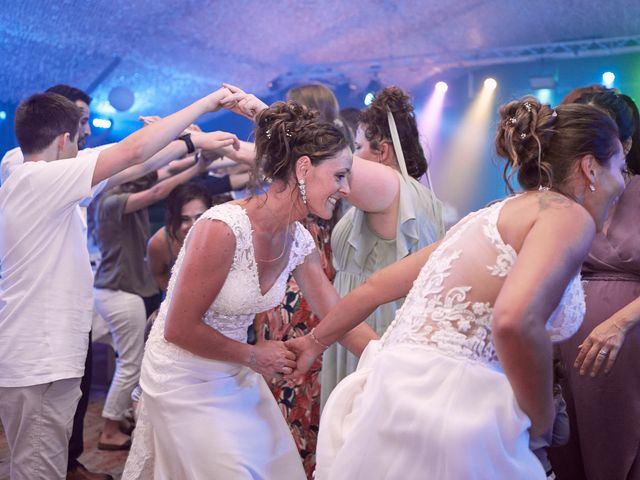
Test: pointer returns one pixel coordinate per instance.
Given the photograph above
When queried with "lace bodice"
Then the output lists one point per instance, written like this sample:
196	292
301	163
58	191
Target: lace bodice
240	297
450	305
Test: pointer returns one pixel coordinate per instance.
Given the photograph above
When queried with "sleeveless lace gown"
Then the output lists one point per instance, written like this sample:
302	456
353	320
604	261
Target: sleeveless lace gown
429	399
207	419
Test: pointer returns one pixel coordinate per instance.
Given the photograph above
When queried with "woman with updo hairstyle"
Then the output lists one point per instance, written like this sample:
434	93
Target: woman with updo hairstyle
205	408
293	316
462	378
602	386
406	218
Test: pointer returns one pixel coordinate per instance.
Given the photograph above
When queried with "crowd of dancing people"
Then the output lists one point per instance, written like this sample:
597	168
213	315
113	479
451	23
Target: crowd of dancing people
322	323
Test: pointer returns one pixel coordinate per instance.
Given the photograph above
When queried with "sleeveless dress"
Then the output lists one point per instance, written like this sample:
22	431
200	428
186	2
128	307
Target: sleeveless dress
358	252
208	419
605	410
429	399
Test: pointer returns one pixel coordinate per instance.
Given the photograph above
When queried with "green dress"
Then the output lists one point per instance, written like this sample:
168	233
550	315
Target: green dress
358	252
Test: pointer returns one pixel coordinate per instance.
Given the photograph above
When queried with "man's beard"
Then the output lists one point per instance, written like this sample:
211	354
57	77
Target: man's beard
82	142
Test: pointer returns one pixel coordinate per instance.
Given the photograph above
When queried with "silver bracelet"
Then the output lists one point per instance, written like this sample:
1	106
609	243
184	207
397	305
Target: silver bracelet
315	339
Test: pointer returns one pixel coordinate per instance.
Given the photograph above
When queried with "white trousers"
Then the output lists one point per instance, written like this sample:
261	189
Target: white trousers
37	421
125	314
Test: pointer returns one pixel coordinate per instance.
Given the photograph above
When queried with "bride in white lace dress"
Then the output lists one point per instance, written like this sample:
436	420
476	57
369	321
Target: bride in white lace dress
462	377
206	411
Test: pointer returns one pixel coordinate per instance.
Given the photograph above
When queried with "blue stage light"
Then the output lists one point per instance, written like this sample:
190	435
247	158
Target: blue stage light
608	78
3	115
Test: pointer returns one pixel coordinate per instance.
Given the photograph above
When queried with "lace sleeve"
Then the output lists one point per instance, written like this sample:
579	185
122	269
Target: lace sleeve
303	244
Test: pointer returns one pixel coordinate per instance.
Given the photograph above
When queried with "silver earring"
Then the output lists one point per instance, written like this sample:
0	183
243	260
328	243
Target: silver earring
592	187
303	190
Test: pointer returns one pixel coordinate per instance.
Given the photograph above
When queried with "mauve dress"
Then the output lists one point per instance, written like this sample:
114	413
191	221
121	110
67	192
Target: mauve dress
605	410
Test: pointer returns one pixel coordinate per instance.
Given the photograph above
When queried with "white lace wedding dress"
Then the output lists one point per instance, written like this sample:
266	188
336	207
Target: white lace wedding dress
430	400
206	419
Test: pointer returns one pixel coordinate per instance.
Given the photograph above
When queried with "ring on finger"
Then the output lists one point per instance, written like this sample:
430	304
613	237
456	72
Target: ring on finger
603	353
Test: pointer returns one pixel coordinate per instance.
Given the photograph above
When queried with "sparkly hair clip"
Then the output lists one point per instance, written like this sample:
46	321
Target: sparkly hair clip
287	133
512	120
527	105
554	114
523	135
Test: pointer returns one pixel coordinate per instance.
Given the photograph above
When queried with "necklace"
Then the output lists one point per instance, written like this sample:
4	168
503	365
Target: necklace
284	243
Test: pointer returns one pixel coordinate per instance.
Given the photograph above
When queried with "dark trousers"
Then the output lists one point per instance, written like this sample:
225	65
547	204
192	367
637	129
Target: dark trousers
76	442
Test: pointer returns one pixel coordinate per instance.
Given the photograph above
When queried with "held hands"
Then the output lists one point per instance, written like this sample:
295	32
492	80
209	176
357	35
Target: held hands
272	359
215	140
242	103
306	351
603	343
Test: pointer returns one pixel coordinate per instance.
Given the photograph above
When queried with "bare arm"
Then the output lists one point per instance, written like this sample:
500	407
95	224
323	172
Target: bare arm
322	297
386	285
139	200
551	254
147	141
203	273
608	337
158	260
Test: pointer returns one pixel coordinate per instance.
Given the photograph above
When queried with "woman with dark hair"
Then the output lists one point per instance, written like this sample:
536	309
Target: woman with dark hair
601	360
185	205
205	410
407	217
463	376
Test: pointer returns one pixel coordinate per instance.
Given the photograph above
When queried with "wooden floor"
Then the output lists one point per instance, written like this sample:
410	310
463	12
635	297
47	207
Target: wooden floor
92	458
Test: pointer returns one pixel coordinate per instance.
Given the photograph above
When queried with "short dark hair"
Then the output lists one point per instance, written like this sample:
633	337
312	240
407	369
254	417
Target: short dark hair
72	93
41	118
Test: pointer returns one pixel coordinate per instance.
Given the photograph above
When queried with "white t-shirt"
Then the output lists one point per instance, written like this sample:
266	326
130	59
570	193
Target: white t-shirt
46	299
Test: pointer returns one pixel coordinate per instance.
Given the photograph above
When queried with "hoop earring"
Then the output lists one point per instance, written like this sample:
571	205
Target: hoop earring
303	190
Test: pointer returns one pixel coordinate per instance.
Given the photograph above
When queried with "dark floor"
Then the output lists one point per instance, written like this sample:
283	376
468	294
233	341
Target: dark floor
92	458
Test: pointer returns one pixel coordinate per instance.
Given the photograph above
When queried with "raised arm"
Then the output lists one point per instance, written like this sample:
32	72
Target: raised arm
201	277
147	141
139	200
551	254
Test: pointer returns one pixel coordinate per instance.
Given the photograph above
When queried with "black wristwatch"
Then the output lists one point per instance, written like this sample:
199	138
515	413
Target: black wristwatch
186	138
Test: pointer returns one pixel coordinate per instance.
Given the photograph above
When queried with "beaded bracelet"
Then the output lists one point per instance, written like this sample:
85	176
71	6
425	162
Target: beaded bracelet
315	339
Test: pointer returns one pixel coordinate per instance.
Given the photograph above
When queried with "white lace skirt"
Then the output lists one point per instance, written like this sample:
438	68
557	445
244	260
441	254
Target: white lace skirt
203	419
412	412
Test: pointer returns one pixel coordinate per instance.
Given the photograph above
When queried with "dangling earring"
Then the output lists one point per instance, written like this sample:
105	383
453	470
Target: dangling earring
303	190
592	187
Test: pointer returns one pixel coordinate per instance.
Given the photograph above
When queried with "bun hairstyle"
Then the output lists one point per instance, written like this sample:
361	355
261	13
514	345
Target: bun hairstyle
542	145
375	124
287	131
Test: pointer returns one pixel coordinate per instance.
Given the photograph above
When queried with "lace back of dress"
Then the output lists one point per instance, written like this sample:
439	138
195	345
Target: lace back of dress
450	303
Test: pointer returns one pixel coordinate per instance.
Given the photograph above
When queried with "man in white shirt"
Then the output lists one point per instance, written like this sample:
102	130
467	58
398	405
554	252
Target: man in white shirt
45	287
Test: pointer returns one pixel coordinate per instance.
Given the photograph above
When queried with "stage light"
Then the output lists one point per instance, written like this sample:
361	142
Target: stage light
490	83
368	98
545	95
442	87
429	121
608	78
3	115
461	162
102	123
